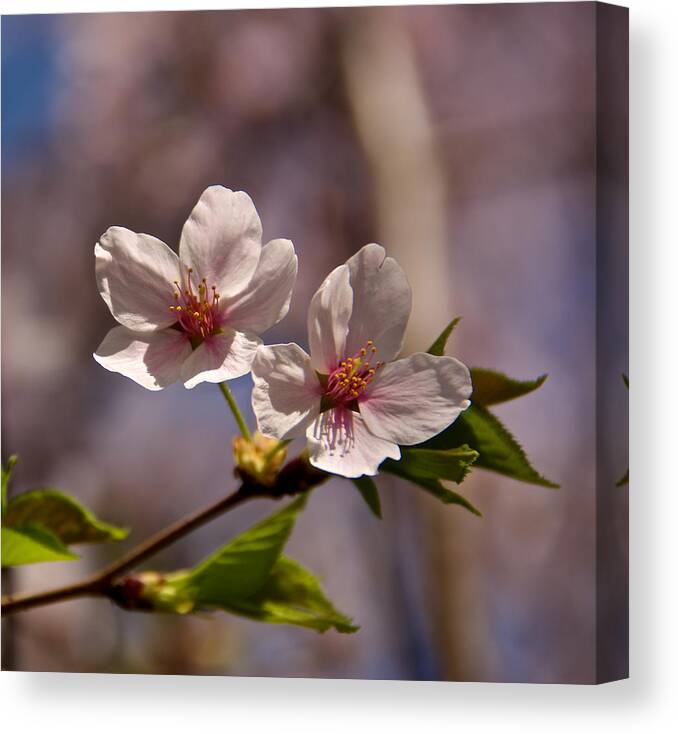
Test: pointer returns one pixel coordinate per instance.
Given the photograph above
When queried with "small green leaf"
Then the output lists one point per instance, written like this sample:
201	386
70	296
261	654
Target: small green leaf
498	450
292	595
626	379
491	388
6	476
438	346
248	577
60	514
32	544
240	568
415	467
368	489
446	495
452	464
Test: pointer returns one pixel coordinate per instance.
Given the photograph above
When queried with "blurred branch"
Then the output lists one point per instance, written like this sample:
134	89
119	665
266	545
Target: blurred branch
296	477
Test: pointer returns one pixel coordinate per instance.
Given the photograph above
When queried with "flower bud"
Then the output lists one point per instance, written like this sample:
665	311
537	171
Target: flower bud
259	458
150	591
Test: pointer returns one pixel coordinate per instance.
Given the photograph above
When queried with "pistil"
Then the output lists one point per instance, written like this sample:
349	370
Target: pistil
197	313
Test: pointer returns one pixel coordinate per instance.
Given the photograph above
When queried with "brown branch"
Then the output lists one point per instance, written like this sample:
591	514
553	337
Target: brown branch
296	477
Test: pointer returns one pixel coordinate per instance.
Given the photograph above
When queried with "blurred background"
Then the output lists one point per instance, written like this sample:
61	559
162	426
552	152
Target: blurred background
460	137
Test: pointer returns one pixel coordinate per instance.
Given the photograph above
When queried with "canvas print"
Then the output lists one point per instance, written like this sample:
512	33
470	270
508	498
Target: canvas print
314	343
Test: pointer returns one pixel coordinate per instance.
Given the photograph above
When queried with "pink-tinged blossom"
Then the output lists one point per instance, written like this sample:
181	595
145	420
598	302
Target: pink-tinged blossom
196	317
354	403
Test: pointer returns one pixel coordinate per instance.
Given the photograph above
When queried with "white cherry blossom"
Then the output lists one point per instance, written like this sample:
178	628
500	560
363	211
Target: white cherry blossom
354	403
195	317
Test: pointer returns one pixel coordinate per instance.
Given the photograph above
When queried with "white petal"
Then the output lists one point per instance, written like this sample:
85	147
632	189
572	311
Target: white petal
382	302
223	356
152	359
266	299
135	275
339	442
328	317
221	240
286	395
413	399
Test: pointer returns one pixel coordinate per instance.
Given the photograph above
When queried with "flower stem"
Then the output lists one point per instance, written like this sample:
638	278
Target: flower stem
244	430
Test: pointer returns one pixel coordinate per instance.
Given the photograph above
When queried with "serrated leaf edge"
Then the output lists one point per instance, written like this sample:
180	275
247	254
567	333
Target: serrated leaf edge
538	480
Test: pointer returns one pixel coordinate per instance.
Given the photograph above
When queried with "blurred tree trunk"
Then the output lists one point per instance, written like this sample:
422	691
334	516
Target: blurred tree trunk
395	130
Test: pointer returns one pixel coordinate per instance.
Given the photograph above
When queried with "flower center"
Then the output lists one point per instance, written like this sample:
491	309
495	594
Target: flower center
197	313
348	381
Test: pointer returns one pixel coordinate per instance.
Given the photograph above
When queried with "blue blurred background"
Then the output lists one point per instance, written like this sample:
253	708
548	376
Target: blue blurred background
460	137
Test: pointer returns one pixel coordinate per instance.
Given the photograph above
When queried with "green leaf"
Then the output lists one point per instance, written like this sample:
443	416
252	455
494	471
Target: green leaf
626	379
452	464
491	388
251	578
240	568
6	476
425	468
446	495
438	346
368	489
498	450
37	526
61	515
292	595
479	429
32	544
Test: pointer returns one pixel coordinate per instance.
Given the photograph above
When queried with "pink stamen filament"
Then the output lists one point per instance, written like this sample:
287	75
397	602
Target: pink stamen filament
197	314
